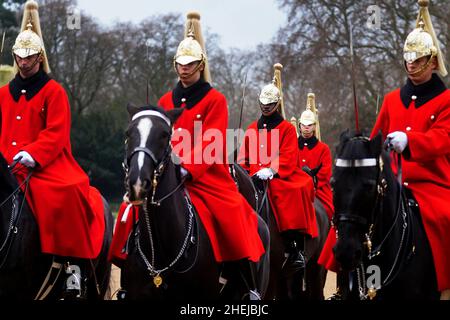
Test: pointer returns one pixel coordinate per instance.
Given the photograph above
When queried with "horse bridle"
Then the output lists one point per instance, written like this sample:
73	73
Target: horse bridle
15	212
381	185
352	218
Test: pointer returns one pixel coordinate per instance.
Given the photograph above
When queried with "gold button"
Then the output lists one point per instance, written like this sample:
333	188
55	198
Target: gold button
199	116
432	117
264	125
405	184
305	144
260	164
262	146
23	91
408	128
183	99
14	143
414	97
18	117
303	160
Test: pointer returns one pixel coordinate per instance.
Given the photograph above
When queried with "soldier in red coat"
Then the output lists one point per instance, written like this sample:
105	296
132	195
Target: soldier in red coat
416	119
315	155
270	154
229	220
35	131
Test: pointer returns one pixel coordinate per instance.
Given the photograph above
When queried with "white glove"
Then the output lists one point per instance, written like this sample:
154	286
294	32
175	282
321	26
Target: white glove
399	140
27	160
265	173
184	172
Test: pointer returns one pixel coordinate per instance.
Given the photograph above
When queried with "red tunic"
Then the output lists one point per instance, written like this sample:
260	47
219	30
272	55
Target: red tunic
229	220
426	170
68	211
291	192
318	155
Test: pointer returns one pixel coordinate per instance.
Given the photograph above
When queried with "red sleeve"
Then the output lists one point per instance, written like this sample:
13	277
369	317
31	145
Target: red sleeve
216	119
434	143
287	160
382	122
324	174
56	134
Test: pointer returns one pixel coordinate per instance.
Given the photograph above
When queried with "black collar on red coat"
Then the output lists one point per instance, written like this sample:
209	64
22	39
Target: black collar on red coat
424	92
310	142
192	94
31	85
270	122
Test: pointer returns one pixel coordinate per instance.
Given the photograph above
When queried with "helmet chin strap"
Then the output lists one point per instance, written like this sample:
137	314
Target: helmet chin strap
30	67
421	69
275	107
183	77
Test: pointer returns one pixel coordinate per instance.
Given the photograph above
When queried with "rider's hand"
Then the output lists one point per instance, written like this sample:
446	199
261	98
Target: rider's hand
185	174
265	174
25	158
399	140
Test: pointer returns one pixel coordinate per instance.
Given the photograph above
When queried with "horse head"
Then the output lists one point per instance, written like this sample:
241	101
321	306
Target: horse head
356	188
148	148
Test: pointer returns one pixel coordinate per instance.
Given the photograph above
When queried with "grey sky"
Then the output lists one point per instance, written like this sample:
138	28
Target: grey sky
239	23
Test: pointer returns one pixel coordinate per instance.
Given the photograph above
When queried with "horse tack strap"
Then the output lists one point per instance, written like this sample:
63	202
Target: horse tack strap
368	162
46	288
151	113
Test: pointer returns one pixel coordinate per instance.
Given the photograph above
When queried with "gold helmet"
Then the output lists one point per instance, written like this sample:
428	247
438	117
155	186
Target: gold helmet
310	115
270	94
29	41
192	48
422	41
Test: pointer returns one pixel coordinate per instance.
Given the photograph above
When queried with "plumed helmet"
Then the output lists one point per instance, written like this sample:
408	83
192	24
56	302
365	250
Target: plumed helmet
192	47
310	115
422	41
29	41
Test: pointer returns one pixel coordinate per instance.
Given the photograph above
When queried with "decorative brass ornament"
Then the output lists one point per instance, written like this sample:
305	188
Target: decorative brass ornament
157	280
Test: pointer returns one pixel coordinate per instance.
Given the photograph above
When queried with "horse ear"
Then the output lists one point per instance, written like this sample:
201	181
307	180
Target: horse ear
376	143
132	109
174	114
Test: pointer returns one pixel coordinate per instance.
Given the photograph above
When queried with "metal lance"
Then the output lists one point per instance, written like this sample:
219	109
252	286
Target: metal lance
355	100
240	117
1	48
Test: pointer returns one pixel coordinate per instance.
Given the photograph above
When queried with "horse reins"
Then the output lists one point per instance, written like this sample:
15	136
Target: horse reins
15	212
158	172
381	185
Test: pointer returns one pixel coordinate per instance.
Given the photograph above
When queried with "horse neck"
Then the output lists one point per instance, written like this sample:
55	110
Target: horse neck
388	211
169	221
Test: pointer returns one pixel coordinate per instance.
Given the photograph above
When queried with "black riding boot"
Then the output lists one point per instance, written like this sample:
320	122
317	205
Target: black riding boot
247	271
294	243
237	275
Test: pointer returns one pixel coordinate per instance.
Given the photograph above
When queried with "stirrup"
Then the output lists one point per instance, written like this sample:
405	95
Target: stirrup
252	295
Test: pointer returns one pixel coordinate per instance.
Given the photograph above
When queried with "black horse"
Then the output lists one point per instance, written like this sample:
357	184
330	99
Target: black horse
303	286
23	268
169	252
381	239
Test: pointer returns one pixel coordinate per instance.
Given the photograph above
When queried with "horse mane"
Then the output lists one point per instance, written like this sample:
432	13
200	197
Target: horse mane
352	145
